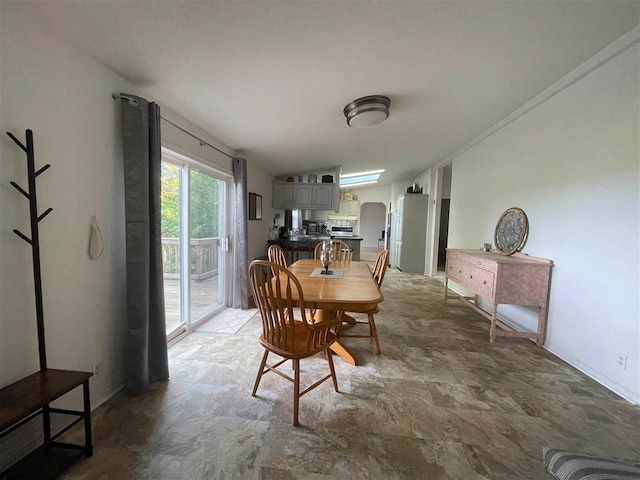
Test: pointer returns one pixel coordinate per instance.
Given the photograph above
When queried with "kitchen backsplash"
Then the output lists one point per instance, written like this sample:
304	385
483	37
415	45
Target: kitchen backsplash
342	223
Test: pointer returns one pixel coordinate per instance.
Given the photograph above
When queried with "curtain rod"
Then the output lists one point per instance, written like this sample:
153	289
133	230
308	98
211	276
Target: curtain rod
134	103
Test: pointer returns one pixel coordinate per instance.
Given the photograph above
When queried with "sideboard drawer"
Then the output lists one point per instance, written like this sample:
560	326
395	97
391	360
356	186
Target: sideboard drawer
475	279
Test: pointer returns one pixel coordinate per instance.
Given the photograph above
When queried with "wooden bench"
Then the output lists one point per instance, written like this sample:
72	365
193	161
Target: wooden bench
24	400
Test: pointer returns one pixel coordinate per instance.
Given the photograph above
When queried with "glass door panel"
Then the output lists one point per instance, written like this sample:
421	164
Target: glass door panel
207	234
171	182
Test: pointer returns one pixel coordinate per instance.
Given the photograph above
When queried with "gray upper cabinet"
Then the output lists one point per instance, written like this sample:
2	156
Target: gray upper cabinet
282	195
322	194
303	196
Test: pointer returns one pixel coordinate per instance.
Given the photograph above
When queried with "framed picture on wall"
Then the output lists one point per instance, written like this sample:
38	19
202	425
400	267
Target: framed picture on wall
255	206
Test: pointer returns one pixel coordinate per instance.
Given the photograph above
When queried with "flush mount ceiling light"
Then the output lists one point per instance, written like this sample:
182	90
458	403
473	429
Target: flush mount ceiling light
367	111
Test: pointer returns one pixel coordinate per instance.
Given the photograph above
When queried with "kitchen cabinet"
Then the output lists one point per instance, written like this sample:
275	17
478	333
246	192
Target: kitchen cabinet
321	195
303	196
354	245
349	209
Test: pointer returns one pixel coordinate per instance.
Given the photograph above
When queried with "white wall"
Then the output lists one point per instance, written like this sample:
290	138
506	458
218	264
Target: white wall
65	98
260	182
572	163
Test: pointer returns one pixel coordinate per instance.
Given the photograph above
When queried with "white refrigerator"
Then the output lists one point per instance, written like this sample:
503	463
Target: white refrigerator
410	241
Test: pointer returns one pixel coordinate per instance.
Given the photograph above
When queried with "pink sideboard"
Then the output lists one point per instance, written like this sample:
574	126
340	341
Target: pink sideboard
516	279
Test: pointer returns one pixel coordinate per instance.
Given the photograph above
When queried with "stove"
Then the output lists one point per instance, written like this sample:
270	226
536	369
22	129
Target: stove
342	231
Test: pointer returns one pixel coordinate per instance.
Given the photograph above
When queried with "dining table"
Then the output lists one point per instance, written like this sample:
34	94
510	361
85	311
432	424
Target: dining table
351	288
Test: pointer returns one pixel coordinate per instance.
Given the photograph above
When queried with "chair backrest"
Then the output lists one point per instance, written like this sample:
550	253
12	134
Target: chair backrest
381	267
273	287
277	255
341	251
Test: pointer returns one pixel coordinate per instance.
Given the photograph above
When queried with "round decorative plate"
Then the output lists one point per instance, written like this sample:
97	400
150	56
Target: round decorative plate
511	231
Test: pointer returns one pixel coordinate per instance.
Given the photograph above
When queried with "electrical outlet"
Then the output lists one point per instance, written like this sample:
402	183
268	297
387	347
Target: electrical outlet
96	368
622	361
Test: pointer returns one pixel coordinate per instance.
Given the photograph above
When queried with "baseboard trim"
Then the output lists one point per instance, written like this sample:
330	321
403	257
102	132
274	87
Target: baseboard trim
603	380
106	397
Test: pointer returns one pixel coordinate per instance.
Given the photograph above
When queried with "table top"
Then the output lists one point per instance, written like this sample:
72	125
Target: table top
356	291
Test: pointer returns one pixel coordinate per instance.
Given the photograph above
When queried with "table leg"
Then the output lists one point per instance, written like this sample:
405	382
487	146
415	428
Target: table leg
348	319
343	352
337	347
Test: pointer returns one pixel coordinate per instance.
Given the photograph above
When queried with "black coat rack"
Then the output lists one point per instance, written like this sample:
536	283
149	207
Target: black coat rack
34	394
34	241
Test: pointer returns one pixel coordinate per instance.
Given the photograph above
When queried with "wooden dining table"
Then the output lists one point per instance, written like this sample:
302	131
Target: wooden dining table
356	291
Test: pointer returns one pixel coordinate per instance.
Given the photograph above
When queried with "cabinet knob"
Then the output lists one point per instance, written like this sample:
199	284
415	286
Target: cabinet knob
484	283
459	271
470	276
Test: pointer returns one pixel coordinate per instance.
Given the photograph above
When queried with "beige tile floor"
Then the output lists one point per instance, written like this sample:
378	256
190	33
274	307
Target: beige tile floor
441	402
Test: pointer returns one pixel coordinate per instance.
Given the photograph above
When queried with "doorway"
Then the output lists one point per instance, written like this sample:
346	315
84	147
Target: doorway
445	204
194	232
372	224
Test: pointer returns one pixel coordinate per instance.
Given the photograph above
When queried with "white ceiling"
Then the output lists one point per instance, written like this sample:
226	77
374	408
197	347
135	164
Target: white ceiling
270	78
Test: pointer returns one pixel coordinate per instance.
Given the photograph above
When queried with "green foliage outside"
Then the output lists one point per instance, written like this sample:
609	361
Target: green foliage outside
204	203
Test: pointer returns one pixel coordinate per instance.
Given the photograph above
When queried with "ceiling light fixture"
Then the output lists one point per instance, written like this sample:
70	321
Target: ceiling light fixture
367	111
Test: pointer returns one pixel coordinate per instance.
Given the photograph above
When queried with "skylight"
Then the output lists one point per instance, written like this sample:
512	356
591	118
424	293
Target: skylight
362	178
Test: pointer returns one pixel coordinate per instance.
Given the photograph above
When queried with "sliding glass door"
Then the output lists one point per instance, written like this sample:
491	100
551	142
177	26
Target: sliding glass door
194	247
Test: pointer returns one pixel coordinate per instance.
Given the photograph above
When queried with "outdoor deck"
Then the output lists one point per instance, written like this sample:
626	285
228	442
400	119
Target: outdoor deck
204	297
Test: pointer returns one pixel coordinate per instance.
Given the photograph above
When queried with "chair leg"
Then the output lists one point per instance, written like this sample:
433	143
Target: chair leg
332	369
260	372
296	390
374	332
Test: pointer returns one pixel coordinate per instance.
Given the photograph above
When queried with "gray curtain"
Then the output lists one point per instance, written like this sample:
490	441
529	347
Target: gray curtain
146	345
241	267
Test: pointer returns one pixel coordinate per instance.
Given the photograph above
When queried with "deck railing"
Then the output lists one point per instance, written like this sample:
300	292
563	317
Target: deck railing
203	255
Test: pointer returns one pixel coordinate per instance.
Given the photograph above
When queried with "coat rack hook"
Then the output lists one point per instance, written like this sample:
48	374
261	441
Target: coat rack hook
17	141
23	236
42	169
19	188
47	212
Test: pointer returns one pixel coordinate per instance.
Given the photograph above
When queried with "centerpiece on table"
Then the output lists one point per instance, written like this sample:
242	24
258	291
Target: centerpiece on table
326	256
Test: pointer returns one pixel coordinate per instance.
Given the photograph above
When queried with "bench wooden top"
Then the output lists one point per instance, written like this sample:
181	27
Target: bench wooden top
26	396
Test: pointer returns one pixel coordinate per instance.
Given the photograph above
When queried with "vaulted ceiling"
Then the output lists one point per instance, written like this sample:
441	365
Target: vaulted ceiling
270	78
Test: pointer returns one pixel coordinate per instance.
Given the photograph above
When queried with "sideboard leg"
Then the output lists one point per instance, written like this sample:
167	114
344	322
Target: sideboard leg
446	289
542	325
492	330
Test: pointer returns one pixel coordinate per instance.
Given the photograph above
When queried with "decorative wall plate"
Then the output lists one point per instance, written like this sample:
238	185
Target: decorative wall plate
511	231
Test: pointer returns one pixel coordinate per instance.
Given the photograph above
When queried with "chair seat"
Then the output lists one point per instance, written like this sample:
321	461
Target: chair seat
300	348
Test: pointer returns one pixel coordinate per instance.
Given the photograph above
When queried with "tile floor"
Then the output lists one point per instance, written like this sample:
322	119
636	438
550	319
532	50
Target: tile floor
441	402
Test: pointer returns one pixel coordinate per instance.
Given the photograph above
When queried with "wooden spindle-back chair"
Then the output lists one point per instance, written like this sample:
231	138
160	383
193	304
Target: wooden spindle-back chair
279	297
341	251
378	274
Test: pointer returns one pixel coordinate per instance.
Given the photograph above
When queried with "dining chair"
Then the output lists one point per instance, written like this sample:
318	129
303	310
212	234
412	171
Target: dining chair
378	275
277	255
341	251
291	338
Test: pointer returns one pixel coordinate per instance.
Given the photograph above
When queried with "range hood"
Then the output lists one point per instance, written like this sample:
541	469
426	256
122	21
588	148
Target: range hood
337	216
